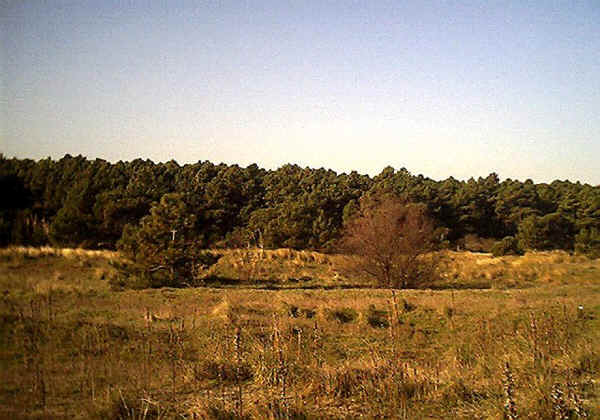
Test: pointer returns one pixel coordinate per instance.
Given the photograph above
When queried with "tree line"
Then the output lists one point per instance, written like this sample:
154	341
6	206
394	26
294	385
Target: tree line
76	202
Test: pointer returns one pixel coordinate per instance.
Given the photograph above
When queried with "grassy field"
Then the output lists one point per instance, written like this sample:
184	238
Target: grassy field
288	335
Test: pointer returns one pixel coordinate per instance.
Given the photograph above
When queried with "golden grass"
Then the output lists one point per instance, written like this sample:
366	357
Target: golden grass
517	271
37	252
456	269
71	348
287	266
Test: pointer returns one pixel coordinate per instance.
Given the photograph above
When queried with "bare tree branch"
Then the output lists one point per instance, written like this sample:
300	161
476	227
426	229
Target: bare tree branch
389	238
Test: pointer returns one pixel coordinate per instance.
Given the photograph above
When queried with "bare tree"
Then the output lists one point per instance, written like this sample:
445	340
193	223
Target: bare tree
389	240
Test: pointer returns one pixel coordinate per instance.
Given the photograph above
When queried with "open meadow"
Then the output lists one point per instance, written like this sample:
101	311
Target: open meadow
288	335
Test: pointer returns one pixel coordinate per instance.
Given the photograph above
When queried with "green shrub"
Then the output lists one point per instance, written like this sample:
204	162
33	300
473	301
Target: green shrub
407	306
297	312
344	315
166	243
552	231
587	242
136	275
377	318
507	246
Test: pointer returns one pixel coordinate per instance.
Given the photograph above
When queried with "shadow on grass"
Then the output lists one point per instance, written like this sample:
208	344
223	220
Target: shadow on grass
227	282
461	286
219	282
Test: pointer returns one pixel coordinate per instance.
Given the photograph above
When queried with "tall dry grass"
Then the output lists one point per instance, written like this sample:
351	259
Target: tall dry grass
44	251
233	353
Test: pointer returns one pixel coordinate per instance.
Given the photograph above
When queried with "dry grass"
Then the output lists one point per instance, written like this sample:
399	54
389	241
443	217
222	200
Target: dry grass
556	267
282	267
45	251
290	268
293	269
71	348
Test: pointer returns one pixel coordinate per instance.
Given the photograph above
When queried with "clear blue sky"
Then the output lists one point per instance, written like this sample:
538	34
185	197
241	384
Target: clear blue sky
442	88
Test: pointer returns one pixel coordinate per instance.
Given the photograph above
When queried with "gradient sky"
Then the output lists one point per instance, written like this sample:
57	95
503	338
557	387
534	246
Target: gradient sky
443	88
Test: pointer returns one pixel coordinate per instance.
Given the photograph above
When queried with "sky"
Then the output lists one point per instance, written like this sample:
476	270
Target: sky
441	88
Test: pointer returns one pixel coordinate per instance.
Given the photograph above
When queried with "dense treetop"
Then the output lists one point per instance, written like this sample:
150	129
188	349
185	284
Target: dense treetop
94	203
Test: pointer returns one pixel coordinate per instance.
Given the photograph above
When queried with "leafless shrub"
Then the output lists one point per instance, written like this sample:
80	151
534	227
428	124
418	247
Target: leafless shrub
391	239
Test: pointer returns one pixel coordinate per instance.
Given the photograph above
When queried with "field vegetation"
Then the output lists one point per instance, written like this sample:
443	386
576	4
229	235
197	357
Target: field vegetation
296	293
287	334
